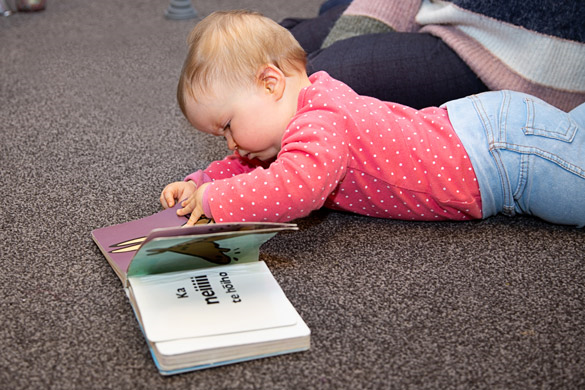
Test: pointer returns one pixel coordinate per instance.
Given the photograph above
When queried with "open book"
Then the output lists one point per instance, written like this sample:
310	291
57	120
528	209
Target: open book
200	294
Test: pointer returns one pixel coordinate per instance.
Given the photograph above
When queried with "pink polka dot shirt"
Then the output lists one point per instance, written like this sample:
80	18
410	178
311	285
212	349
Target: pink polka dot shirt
352	153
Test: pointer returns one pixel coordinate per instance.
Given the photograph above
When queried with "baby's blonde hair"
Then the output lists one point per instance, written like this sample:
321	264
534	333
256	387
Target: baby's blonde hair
231	47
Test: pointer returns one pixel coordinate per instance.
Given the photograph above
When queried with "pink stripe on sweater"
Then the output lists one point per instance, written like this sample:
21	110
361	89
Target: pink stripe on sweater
495	74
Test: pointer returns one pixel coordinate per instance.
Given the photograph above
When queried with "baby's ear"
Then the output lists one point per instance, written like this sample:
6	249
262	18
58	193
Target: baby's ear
272	80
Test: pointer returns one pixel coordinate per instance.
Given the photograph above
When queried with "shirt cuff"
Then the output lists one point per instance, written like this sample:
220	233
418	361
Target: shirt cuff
198	178
205	205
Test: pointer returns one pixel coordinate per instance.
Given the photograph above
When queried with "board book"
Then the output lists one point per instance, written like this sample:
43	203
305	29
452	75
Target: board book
200	294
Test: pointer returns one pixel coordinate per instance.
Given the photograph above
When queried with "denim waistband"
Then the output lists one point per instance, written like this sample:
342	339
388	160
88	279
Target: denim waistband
473	125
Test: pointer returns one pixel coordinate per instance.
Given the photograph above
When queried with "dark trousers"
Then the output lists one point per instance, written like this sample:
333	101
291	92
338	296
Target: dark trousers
415	69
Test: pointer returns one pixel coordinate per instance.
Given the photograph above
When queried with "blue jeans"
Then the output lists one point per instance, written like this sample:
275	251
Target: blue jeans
529	157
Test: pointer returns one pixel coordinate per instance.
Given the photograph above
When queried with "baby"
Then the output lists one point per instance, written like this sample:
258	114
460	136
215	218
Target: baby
300	143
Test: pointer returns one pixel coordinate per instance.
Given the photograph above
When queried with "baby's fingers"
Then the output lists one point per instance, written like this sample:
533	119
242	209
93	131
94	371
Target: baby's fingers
166	200
187	207
195	215
167	196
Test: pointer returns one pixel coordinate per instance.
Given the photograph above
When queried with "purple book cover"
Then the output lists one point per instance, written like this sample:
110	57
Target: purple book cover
119	243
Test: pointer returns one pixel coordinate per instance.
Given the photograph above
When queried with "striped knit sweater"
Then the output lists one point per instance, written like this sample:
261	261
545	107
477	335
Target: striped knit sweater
533	46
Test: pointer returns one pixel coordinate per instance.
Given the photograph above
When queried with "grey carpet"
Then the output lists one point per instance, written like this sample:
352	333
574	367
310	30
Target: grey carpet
90	133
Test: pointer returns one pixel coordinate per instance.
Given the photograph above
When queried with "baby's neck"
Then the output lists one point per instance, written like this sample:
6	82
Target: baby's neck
294	86
303	81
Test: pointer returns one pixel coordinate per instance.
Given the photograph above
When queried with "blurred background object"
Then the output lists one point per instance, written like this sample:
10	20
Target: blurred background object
180	9
30	5
5	8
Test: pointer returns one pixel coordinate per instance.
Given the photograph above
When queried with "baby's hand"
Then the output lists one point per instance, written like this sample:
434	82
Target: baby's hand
176	191
193	205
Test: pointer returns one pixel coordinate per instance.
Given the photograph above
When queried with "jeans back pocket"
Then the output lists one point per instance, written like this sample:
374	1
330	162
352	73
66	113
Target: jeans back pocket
542	120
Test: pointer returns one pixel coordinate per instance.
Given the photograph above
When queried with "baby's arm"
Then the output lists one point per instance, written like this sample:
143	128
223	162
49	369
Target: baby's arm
191	191
230	166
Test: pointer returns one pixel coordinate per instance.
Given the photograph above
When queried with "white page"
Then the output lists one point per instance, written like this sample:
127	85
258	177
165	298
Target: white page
177	347
211	301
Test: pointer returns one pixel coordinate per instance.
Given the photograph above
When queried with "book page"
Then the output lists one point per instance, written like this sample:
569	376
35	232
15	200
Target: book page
215	342
212	301
184	252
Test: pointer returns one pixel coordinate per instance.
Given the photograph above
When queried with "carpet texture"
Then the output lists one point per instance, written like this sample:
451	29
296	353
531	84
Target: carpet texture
89	135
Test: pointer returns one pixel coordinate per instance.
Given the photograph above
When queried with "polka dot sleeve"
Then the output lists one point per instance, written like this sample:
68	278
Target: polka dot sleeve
230	166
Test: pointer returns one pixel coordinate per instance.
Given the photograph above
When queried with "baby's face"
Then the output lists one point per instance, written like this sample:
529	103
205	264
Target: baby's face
248	117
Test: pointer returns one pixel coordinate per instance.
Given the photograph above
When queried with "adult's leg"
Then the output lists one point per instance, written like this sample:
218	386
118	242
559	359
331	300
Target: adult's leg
312	32
418	70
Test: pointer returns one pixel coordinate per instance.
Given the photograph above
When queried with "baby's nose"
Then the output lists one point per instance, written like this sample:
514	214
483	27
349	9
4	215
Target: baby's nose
232	145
